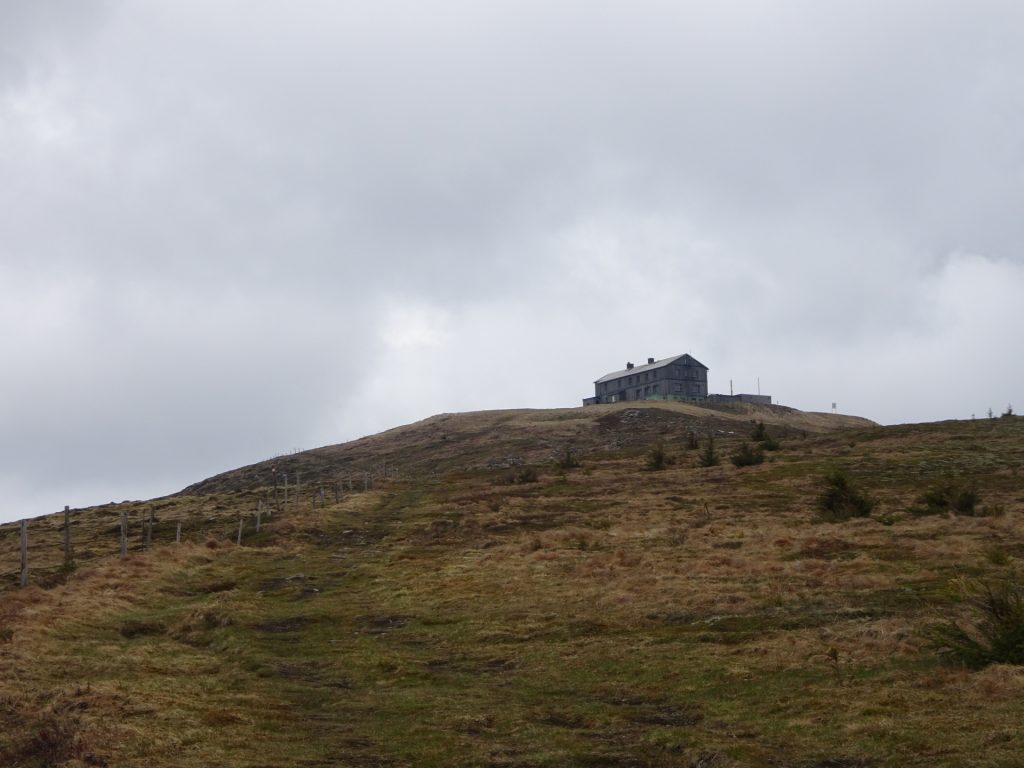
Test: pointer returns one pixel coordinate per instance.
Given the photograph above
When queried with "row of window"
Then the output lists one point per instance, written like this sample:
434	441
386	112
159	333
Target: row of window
628	381
641	392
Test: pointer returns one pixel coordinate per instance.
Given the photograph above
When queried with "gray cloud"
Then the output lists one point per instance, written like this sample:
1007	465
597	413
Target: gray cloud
230	230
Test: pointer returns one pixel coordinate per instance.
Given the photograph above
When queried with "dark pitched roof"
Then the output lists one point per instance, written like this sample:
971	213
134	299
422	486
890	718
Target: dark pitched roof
685	359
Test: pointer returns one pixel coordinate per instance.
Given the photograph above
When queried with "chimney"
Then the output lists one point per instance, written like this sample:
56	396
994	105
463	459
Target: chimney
629	366
650	360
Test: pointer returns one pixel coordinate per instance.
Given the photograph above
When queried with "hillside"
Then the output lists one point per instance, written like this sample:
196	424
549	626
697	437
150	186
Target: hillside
480	605
489	439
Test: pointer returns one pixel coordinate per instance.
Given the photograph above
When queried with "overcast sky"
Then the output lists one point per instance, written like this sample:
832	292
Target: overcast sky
231	229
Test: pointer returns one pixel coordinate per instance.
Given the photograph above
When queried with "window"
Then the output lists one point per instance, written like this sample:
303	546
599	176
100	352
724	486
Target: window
654	389
679	388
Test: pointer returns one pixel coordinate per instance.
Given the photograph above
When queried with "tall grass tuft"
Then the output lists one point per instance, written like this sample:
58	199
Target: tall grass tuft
994	631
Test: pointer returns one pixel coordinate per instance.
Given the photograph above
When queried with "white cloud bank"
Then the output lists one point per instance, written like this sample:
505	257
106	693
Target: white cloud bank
228	230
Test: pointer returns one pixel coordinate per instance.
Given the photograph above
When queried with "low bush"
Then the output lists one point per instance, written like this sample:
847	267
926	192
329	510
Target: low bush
708	457
528	475
567	460
763	438
747	455
950	496
48	738
657	458
523	475
841	498
993	630
139	628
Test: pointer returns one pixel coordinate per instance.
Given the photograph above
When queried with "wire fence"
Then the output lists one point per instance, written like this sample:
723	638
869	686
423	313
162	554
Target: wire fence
45	549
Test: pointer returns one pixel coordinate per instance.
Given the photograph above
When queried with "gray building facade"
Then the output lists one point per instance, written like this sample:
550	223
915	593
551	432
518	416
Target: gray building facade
675	378
751	399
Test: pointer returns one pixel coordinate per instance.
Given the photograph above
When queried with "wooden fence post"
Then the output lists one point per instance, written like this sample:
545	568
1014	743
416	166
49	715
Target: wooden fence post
322	500
259	514
241	522
124	534
23	580
149	530
67	534
286	491
177	534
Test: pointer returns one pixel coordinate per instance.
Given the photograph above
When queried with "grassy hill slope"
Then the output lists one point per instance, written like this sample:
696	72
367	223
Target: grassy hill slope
489	439
604	615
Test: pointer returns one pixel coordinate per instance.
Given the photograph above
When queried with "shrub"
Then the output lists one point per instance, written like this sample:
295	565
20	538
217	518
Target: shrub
516	476
841	499
567	460
708	457
993	633
692	443
997	556
747	455
950	496
1009	412
763	438
53	740
657	458
139	628
526	475
886	518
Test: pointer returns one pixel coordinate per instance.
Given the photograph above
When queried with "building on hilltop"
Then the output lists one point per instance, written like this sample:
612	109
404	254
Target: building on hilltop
674	378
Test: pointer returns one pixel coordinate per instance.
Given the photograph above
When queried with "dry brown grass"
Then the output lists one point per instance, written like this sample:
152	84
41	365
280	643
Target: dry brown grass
602	616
